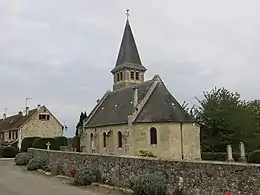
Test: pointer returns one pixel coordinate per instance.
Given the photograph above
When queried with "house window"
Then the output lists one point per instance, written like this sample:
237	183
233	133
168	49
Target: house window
117	77
13	134
10	134
120	139
137	76
121	75
16	134
153	136
104	140
132	75
44	117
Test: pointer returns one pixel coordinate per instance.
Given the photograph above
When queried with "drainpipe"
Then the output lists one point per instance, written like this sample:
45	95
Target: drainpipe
182	156
181	125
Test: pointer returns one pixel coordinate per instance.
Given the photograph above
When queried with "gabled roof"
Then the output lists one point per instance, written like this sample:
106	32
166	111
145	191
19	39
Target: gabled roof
15	121
128	54
18	120
117	105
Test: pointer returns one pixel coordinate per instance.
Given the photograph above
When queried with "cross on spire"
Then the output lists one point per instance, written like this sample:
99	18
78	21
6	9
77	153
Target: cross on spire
127	14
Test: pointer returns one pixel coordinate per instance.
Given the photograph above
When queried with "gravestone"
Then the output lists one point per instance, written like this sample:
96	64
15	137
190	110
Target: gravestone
229	154
242	153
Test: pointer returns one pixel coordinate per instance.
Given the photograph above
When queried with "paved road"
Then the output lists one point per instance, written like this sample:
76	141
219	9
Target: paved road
15	180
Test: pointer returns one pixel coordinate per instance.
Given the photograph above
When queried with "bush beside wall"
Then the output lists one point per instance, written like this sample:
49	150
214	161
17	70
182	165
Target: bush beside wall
41	143
10	152
62	141
27	143
76	143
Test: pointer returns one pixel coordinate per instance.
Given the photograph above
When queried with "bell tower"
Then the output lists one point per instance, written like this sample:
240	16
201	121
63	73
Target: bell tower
128	69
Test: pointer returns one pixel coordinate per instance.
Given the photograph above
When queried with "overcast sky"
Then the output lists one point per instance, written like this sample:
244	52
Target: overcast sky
60	52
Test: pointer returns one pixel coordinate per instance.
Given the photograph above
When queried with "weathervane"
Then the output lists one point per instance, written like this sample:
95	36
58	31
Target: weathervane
127	14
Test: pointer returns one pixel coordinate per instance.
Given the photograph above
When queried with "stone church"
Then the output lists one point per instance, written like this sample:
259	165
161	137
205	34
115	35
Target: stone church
139	115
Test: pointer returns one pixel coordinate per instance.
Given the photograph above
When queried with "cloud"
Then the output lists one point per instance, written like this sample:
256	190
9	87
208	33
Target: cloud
61	52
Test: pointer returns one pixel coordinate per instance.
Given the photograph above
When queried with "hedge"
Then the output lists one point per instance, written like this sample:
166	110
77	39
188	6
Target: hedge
219	156
254	157
10	152
76	143
41	143
62	141
27	143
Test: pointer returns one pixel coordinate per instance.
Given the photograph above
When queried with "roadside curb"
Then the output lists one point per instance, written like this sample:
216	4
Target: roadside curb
6	159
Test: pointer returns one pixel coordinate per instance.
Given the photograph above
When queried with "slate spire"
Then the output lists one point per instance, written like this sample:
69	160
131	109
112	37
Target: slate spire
128	54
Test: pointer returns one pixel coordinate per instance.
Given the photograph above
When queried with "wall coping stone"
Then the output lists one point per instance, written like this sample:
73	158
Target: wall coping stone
152	158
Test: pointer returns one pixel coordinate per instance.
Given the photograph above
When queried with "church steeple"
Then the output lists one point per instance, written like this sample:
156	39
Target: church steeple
128	69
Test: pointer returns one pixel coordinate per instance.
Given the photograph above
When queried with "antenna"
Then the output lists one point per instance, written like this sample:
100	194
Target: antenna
26	101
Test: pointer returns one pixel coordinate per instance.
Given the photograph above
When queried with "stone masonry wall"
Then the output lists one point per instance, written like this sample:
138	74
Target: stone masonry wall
200	177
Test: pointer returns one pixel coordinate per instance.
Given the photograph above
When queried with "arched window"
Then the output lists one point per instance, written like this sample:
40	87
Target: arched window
104	140
92	143
120	139
153	136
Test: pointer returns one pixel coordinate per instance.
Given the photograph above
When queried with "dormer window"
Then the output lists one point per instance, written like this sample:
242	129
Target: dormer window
137	76
44	117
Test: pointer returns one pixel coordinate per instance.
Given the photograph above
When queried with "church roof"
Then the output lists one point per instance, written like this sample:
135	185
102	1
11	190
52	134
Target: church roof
128	54
115	107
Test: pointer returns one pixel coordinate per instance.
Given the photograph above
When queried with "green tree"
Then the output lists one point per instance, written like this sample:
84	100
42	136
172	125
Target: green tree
83	116
226	119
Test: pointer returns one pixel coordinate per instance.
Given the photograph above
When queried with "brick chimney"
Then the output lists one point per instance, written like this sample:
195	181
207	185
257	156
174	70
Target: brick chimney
135	97
26	110
4	116
38	106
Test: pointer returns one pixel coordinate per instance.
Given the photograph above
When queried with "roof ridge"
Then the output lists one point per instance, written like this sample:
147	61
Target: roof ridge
17	114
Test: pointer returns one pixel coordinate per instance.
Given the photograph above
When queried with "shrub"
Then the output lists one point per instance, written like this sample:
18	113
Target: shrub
145	153
27	143
10	152
254	157
56	169
41	143
62	141
149	184
22	158
85	176
76	143
34	164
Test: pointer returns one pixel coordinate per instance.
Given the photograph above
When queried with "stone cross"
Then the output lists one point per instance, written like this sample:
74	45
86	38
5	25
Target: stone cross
229	153
48	144
242	153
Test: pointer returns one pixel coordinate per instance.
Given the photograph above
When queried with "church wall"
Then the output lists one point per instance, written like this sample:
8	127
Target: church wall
98	143
191	141
168	140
